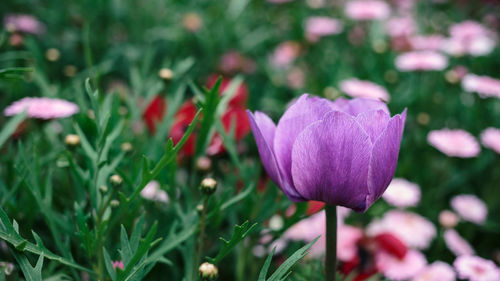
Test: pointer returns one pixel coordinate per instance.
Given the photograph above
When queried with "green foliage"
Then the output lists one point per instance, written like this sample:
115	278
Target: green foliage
240	232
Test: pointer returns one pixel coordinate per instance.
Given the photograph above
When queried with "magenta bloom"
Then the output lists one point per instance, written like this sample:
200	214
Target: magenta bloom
421	61
342	153
24	23
42	108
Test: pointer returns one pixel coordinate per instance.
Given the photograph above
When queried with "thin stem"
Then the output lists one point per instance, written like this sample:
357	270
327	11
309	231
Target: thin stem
331	242
201	237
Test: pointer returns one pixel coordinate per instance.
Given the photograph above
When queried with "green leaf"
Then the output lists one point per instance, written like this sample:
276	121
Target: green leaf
282	271
109	264
209	114
11	127
30	273
240	232
265	267
14	72
11	236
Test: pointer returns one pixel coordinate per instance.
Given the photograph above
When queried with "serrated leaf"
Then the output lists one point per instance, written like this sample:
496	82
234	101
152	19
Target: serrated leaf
240	232
109	264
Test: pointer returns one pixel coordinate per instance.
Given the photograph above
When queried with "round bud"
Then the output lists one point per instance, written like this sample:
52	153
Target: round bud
103	188
72	140
199	208
116	180
166	74
126	147
70	70
52	54
114	203
208	271
208	186
203	164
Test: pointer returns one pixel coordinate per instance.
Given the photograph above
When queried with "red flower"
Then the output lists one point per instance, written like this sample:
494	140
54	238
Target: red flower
235	113
154	112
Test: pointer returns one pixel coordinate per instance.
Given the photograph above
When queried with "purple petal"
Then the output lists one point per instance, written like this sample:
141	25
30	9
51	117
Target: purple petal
297	117
385	157
264	130
330	161
373	122
360	105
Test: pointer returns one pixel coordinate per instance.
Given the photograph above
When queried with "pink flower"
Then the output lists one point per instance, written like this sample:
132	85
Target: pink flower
413	229
448	219
233	62
458	245
42	108
454	143
437	271
23	23
367	10
364	89
279	1
402	193
153	192
285	54
295	78
475	268
401	269
347	242
470	208
469	37
117	264
317	27
485	86
400	27
421	60
491	139
429	42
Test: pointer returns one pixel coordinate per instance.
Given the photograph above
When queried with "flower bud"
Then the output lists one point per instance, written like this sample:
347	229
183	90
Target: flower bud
166	74
72	140
199	208
448	219
114	203
52	54
208	186
103	188
203	164
116	180
126	147
208	271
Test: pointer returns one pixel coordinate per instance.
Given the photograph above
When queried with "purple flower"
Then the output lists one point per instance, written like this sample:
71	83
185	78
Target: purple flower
24	23
342	153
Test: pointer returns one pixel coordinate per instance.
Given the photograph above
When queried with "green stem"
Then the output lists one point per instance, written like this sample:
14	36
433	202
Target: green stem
199	249
331	242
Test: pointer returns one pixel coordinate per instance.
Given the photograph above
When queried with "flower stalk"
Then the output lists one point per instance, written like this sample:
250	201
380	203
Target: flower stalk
331	242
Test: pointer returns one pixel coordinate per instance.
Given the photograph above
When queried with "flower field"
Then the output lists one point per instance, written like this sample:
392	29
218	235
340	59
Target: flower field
250	140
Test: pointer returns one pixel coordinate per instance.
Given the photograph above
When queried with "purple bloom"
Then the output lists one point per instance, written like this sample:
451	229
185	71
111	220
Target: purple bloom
24	23
342	153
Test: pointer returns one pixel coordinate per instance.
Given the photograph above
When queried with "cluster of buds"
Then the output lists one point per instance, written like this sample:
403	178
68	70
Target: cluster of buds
208	186
208	271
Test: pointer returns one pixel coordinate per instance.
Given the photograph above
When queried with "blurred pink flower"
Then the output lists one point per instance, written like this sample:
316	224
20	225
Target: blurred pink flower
234	61
448	219
364	89
401	269
42	108
117	264
285	54
490	138
469	37
458	245
314	226
400	26
475	268
455	143
367	9
470	208
279	1
23	23
402	193
317	27
153	192
437	271
295	78
413	229
428	42
485	86
421	60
